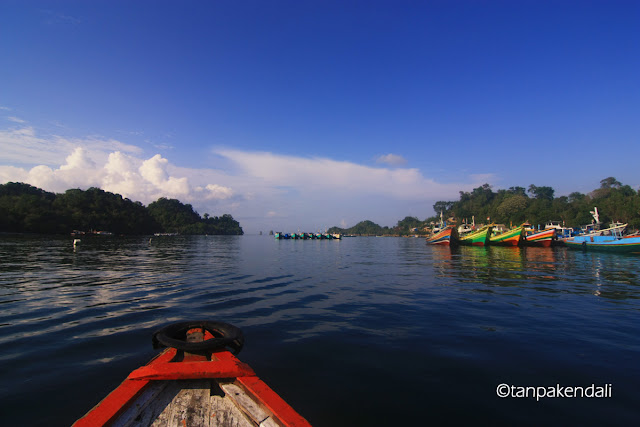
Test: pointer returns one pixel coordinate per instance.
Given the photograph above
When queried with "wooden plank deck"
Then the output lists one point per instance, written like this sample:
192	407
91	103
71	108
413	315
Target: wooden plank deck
191	403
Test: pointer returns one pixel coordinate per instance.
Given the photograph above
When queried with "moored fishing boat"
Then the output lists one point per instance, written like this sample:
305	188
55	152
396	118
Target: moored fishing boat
616	228
561	230
477	238
446	236
196	381
508	238
540	238
612	243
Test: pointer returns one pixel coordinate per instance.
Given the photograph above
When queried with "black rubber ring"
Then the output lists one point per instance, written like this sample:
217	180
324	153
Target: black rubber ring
225	336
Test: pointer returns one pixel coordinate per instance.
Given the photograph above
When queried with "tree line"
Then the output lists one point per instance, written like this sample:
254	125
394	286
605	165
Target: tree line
535	204
28	209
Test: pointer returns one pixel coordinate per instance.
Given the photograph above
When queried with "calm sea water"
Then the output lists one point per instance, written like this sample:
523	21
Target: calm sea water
363	331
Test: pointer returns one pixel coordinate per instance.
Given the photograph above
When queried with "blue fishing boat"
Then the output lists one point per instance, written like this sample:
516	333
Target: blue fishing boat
613	243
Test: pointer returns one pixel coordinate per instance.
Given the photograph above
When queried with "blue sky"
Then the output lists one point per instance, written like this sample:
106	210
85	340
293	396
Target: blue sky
311	114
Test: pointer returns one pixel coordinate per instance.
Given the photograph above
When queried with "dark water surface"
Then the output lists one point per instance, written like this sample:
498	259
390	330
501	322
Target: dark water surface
363	331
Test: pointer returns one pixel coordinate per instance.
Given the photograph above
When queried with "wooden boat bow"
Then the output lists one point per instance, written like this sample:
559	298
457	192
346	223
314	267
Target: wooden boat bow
205	387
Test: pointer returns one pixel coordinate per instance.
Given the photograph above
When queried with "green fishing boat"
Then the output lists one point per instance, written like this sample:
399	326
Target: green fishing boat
508	238
477	238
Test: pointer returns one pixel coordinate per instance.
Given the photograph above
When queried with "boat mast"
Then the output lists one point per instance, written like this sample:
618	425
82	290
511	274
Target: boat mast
595	214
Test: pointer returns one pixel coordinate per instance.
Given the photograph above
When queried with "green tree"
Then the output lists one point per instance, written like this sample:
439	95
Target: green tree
512	209
544	193
24	208
610	182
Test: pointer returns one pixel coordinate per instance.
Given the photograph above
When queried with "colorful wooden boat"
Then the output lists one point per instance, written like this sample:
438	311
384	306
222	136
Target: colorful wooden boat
605	243
197	381
508	238
541	238
446	236
477	238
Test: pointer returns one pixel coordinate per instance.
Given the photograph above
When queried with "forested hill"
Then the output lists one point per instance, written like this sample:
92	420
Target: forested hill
366	228
537	205
27	209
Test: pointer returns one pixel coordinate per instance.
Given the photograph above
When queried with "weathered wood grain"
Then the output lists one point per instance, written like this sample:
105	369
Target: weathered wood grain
246	403
138	411
225	413
190	403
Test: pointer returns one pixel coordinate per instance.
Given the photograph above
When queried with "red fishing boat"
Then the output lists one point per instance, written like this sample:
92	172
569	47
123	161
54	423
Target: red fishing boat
196	381
541	238
447	236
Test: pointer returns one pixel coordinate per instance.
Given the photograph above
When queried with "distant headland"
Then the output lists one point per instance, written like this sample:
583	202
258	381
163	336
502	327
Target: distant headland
28	209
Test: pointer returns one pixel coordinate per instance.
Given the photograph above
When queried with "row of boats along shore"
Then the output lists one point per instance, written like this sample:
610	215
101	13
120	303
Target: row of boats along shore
307	236
590	237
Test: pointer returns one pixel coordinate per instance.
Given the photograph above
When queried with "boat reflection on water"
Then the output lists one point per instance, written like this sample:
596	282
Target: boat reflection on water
550	270
606	275
496	265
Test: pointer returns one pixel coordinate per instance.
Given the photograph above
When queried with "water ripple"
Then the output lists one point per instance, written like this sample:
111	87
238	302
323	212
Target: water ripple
470	314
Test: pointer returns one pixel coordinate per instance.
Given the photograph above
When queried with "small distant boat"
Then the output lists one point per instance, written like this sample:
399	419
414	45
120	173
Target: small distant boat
508	238
197	381
541	238
612	243
446	236
477	238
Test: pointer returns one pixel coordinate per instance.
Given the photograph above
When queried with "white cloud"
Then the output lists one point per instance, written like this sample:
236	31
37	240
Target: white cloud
321	176
79	159
219	192
72	174
144	180
392	160
121	177
24	146
315	193
262	190
154	171
16	119
61	164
